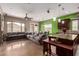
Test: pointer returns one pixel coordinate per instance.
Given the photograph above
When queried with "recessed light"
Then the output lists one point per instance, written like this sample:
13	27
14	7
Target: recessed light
78	7
48	11
59	5
63	8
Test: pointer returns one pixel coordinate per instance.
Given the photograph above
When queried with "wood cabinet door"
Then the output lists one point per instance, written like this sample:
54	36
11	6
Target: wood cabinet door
64	24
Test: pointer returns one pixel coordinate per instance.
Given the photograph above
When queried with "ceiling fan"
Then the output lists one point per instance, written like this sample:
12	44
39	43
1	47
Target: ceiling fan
27	18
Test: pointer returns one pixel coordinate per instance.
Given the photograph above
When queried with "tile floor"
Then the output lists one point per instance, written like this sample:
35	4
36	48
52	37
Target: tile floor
23	48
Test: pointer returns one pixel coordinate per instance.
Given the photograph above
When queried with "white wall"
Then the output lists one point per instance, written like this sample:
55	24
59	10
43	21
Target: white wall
29	26
33	27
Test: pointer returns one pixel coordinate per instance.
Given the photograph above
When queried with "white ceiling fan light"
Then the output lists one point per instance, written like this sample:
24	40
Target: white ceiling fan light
48	11
59	5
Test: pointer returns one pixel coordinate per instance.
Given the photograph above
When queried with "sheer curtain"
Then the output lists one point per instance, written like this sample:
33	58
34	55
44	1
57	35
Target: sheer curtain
9	29
15	27
23	27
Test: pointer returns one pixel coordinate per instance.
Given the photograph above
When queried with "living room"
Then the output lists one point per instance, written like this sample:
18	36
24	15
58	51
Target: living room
39	29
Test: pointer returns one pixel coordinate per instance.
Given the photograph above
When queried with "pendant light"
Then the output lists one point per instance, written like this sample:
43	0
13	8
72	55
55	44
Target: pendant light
59	6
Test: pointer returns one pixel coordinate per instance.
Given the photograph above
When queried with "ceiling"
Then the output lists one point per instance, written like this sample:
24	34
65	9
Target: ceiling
38	11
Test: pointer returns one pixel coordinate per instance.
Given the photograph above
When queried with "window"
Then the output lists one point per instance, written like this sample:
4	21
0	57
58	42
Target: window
16	27
23	27
33	27
9	29
48	28
36	28
2	26
75	25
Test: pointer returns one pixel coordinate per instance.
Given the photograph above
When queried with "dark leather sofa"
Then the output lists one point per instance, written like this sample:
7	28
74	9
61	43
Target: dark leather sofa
14	36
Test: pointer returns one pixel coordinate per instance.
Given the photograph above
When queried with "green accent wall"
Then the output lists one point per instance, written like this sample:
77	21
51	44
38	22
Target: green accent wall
69	16
55	23
50	21
42	23
54	26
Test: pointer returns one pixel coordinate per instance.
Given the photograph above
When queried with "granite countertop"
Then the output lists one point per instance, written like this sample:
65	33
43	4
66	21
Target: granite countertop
64	36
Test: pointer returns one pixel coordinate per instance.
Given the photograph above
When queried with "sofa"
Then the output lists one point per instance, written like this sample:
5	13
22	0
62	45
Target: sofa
37	37
14	36
1	41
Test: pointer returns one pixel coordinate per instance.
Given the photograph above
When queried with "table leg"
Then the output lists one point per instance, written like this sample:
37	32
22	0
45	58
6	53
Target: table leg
49	50
45	49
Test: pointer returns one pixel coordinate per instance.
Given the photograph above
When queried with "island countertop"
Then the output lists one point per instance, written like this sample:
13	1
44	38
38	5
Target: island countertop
64	36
